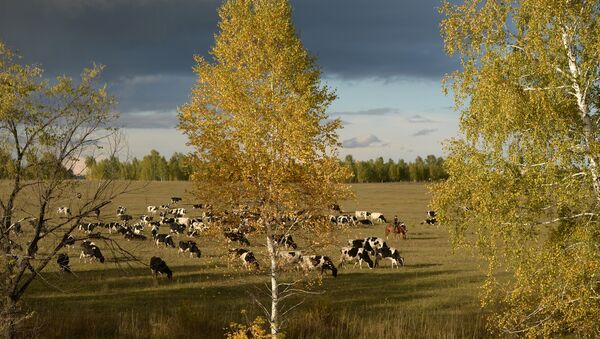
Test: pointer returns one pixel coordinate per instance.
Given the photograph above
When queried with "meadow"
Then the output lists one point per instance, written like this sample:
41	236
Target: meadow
435	295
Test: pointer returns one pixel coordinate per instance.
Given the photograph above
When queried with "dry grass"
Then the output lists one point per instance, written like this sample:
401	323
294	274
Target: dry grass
433	296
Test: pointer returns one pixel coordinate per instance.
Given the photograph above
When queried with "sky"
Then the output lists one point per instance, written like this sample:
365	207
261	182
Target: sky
384	58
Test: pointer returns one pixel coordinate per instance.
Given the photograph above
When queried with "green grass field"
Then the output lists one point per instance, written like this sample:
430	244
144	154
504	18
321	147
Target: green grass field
435	295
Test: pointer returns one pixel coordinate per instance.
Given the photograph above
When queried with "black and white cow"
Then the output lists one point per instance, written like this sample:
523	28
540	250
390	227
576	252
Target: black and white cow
285	240
159	266
312	262
146	218
175	200
69	241
64	210
121	210
246	256
371	244
189	246
392	254
63	262
87	227
166	221
125	217
164	207
362	214
178	212
89	250
197	206
365	222
134	236
431	218
236	235
290	258
355	255
152	209
177	228
378	217
165	239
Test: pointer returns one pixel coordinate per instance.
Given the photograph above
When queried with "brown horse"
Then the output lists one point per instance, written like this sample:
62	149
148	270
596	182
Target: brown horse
396	229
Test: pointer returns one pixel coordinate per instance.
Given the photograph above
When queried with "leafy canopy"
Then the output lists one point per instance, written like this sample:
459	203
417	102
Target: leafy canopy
524	177
257	118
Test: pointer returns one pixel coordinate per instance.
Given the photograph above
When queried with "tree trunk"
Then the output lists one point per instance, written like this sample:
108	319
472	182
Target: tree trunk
274	319
9	318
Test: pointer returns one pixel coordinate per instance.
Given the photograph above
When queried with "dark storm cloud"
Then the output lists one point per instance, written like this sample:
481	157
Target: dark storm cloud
155	40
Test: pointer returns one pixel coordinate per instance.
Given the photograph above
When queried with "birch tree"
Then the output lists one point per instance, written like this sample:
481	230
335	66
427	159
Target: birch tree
257	121
524	176
45	128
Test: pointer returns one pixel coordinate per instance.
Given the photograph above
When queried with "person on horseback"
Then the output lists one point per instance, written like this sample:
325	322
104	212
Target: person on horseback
396	224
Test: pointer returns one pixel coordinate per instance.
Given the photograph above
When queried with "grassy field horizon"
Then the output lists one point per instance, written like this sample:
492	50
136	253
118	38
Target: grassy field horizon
435	295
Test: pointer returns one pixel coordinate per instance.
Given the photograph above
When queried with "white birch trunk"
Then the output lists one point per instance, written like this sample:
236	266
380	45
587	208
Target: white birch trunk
274	319
581	96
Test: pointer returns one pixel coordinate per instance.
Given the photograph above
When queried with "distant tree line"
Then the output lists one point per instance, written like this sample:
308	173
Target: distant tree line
377	170
153	166
156	167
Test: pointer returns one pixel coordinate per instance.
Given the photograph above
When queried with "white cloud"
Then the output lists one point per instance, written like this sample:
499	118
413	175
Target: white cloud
362	141
424	132
418	119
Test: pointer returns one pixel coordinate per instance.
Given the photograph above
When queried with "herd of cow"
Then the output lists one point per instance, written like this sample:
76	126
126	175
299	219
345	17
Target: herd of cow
357	251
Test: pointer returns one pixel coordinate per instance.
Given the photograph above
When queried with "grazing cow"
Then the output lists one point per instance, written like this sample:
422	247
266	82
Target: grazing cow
290	258
125	217
400	228
366	222
346	219
152	209
335	207
378	217
164	207
69	241
178	212
333	219
356	256
175	200
286	240
87	228
91	251
392	254
370	244
134	236
64	210
159	266
197	206
236	235
431	218
121	210
189	246
63	262
362	214
165	239
312	262
176	228
246	256
146	218
165	221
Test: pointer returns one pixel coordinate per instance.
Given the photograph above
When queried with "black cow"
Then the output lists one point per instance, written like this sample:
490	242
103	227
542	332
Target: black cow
69	241
63	262
189	246
177	228
365	222
159	266
175	200
165	239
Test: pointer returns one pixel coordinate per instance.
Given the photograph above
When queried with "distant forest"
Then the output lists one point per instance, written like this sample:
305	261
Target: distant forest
154	166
